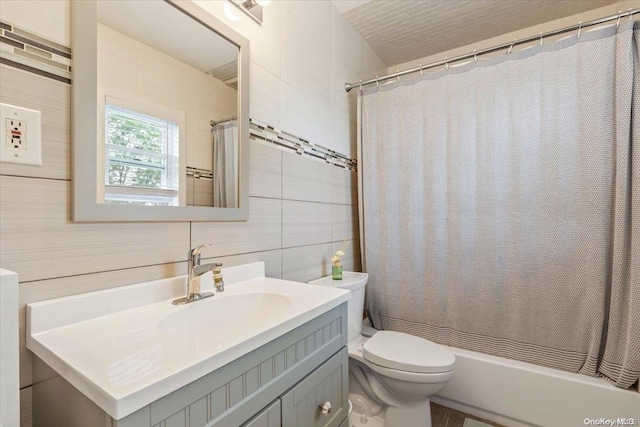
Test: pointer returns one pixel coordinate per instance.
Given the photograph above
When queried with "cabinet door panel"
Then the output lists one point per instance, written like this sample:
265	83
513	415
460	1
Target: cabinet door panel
301	406
268	417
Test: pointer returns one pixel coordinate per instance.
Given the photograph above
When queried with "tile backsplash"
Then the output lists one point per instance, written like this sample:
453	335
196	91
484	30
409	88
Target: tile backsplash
301	206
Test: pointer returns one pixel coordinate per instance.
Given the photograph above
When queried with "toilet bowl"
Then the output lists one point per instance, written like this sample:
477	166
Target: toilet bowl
395	373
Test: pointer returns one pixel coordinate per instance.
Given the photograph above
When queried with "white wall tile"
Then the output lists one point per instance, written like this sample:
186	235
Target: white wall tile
348	49
203	192
190	189
349	64
306	46
266	40
272	261
265	171
116	72
345	222
343	135
214	93
117	44
305	223
200	146
345	186
305	116
307	263
262	232
306	179
265	96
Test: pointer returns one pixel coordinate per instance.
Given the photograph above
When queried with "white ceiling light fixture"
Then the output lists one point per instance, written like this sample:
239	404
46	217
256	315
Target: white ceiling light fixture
253	8
229	12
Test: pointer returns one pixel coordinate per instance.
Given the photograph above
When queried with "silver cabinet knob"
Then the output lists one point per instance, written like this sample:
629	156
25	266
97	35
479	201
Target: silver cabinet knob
326	408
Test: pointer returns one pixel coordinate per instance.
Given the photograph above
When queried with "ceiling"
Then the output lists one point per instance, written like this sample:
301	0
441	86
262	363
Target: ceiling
405	30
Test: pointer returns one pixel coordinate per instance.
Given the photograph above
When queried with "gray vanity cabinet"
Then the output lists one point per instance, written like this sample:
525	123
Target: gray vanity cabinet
281	384
271	416
301	406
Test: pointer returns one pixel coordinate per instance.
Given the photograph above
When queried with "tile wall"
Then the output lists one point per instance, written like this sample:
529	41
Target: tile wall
300	208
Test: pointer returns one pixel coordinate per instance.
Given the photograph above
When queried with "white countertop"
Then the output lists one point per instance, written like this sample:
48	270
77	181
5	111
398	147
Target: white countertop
111	346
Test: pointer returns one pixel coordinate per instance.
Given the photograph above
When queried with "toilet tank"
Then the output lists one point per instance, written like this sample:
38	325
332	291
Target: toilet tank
354	282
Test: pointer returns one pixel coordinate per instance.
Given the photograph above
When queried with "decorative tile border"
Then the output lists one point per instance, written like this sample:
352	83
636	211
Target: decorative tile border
199	173
30	52
36	54
262	132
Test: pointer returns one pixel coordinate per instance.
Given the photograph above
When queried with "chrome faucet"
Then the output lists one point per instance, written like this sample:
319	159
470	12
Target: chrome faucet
196	270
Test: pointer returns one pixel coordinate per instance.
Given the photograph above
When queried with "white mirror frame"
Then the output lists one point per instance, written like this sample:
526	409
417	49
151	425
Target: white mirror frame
84	107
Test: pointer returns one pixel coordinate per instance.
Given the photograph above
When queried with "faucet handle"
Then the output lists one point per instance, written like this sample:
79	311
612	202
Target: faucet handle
217	268
195	252
218	281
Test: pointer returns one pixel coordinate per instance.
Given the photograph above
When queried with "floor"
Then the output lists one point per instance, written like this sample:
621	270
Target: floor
441	416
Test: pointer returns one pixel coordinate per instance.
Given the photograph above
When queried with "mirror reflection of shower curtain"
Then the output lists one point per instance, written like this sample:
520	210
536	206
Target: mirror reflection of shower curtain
225	164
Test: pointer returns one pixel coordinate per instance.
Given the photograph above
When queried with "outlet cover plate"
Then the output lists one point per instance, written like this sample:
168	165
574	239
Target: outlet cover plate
31	135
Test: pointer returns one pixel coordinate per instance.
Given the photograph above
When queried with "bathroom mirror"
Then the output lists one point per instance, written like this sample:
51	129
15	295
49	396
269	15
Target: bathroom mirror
161	123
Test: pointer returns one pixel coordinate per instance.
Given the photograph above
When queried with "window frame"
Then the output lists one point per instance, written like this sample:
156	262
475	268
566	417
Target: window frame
111	96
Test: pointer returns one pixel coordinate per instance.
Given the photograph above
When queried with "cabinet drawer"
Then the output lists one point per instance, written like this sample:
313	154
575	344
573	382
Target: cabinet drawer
301	406
268	417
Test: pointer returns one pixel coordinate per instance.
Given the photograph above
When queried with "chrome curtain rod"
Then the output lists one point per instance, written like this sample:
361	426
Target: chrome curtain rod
446	61
213	123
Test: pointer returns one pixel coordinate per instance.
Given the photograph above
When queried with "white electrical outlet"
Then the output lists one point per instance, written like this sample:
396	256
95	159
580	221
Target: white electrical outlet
20	128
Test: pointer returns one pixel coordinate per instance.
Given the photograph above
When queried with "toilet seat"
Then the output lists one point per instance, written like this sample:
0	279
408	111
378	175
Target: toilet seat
410	377
407	353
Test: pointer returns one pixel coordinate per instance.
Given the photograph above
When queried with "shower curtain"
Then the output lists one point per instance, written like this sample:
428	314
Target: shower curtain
501	204
225	164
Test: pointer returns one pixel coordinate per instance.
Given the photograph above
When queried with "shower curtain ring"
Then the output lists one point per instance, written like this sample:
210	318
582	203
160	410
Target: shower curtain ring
421	70
629	14
377	82
475	56
619	16
360	84
398	75
579	28
540	39
511	47
446	63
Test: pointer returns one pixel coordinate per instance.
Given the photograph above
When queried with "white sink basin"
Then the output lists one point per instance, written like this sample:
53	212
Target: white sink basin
225	315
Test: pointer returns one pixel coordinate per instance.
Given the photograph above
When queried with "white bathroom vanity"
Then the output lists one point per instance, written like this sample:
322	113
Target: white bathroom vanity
265	352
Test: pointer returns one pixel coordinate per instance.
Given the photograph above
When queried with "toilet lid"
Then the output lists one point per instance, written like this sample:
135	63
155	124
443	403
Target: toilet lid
404	352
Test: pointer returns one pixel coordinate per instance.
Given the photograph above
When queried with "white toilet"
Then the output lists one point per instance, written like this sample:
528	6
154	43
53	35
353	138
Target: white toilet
392	375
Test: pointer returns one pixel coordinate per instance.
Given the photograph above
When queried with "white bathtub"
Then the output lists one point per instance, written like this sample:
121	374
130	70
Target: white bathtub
518	394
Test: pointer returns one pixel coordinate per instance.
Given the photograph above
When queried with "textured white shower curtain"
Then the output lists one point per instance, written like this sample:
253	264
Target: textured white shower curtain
501	205
225	164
